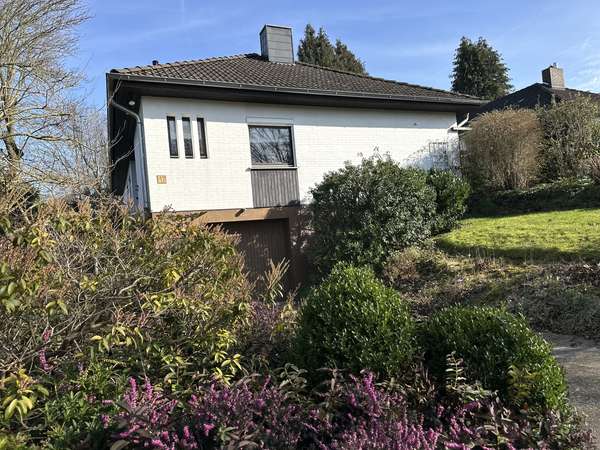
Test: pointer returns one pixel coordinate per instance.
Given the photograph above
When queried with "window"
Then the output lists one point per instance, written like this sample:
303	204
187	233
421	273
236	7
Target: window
271	145
187	137
172	129
202	139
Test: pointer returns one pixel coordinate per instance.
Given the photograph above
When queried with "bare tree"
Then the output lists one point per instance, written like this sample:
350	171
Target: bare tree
77	164
36	99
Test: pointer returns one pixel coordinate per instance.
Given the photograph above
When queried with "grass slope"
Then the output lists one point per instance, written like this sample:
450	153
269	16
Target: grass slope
545	236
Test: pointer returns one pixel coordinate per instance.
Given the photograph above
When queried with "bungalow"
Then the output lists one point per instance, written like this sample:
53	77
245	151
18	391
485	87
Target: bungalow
240	140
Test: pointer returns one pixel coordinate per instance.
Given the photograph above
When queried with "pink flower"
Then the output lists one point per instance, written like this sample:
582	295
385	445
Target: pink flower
207	428
43	362
47	334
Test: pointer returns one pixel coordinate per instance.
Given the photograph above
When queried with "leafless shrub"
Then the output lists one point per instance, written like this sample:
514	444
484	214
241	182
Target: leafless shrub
593	166
502	150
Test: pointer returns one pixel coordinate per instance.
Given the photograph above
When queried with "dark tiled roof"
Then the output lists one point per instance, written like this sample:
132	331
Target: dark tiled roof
537	94
570	94
253	70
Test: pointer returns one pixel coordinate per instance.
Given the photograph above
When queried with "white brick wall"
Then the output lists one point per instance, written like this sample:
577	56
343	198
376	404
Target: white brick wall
324	138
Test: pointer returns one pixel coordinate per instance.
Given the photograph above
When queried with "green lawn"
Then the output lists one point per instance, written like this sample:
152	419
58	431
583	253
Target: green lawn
553	235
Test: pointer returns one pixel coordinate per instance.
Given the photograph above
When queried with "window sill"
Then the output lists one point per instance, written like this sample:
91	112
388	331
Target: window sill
268	167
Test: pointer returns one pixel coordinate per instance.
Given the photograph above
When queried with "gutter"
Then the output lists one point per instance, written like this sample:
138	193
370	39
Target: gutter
291	90
142	141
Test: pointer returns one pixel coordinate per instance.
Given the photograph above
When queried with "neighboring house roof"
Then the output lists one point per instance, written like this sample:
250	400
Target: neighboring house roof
538	94
252	71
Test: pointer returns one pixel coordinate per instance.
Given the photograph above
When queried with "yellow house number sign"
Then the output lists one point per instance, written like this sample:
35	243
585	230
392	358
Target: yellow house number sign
161	179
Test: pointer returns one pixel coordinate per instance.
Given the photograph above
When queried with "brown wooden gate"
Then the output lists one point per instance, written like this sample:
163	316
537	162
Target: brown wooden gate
261	241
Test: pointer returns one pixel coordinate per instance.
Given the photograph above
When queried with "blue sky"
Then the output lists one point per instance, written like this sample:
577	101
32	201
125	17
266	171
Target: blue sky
405	41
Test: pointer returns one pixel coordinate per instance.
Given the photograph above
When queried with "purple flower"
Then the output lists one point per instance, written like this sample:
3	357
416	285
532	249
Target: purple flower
354	413
207	427
47	334
43	362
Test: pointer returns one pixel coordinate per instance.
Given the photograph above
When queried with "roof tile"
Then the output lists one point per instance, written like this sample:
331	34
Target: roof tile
255	70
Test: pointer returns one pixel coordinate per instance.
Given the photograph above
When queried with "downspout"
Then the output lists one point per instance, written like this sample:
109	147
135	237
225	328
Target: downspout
140	130
461	126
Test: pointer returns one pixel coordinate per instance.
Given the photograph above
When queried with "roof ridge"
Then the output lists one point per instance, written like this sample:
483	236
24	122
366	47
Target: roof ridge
552	90
581	91
185	62
401	83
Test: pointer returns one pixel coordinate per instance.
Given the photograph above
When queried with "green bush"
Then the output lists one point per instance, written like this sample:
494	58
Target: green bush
352	321
451	193
97	286
571	137
362	213
499	350
73	417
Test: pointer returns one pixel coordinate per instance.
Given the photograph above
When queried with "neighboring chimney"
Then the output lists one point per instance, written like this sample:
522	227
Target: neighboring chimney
276	44
554	77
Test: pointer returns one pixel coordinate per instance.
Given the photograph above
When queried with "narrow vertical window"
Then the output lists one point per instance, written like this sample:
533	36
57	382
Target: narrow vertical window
187	137
172	129
202	138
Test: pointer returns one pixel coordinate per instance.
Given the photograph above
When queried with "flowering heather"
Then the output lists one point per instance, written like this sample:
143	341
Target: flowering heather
352	414
46	335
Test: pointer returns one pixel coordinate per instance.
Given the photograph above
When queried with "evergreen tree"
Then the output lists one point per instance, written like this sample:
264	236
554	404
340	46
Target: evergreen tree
479	70
325	53
316	48
346	60
307	49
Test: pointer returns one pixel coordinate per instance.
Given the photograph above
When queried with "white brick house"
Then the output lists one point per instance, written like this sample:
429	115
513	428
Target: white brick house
241	140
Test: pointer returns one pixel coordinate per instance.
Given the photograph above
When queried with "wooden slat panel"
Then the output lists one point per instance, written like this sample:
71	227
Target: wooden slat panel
275	187
261	241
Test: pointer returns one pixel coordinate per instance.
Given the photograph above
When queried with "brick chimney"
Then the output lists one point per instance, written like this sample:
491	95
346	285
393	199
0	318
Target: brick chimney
554	77
276	44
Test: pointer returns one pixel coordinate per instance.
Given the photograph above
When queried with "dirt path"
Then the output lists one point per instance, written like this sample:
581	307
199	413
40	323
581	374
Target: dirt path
581	360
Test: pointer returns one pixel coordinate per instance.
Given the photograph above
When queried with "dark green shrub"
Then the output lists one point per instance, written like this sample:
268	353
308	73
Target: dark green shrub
451	193
353	321
571	136
557	196
499	350
363	213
